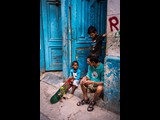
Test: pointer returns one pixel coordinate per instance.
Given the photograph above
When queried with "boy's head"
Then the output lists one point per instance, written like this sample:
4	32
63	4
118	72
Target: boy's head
94	60
92	31
75	65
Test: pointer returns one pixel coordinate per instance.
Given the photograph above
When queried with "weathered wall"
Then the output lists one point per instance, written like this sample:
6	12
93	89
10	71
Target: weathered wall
113	28
42	60
65	47
112	59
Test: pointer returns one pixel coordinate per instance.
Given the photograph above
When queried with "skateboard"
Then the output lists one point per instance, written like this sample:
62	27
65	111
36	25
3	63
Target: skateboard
61	91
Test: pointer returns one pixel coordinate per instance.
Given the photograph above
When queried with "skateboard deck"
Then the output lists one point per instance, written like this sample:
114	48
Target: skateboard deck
61	91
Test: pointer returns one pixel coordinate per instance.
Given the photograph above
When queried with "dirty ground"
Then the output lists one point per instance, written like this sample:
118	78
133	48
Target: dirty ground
67	109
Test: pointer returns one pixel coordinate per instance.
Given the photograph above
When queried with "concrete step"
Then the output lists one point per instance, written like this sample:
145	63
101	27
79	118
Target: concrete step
56	80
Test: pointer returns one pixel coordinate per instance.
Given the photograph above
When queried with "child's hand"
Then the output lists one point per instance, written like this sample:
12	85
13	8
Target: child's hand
104	35
72	80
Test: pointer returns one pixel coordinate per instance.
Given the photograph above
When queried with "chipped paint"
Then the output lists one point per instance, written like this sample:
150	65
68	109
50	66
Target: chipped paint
112	83
113	28
65	60
112	59
42	55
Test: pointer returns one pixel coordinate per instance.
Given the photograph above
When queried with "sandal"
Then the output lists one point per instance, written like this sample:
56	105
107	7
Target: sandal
82	102
91	104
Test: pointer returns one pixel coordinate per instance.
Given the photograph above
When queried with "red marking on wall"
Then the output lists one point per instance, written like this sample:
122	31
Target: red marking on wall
112	24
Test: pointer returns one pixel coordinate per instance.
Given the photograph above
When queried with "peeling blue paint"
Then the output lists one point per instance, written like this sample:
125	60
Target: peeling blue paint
42	60
65	56
109	74
112	84
109	96
108	81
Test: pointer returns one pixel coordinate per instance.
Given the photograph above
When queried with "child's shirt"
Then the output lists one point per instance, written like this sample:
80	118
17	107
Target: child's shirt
76	74
96	45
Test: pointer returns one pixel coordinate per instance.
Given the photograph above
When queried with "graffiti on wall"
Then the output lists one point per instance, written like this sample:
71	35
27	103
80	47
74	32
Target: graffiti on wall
113	21
114	30
113	37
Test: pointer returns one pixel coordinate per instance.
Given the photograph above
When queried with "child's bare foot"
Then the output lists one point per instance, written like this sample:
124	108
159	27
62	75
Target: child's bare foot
70	96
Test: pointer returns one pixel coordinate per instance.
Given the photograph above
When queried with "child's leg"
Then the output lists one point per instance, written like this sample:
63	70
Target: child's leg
75	85
73	89
72	93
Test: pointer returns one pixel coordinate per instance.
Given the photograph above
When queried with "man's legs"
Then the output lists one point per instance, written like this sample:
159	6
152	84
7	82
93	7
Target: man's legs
93	101
98	92
84	90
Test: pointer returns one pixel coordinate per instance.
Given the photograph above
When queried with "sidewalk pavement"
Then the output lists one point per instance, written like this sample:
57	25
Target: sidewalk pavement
67	109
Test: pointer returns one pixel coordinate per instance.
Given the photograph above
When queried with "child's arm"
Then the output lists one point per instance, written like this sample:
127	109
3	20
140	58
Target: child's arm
70	74
78	75
104	35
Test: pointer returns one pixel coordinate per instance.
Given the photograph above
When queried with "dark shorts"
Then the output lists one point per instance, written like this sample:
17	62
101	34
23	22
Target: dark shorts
91	87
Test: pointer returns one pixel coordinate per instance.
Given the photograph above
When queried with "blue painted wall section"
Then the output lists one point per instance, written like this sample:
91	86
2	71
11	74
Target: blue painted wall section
42	60
65	43
112	58
112	83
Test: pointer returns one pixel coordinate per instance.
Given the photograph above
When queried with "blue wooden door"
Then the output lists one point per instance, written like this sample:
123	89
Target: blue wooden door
83	14
51	12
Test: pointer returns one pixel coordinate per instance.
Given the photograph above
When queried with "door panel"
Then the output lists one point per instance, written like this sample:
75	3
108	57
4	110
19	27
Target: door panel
53	34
